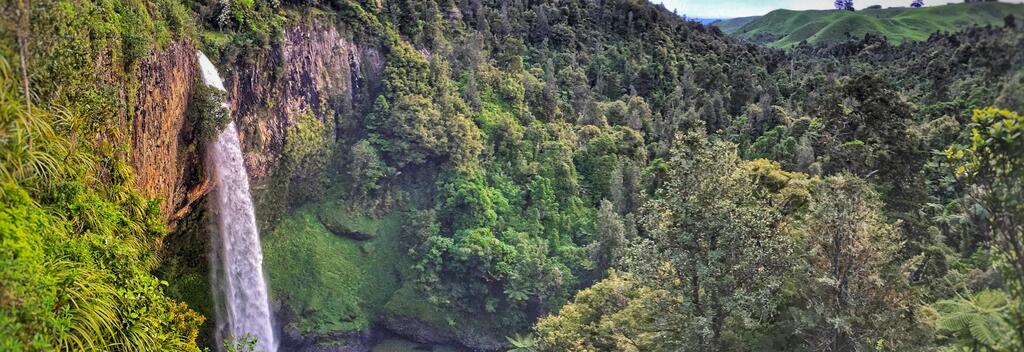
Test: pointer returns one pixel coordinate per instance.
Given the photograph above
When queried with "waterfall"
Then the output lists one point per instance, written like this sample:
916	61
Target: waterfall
236	259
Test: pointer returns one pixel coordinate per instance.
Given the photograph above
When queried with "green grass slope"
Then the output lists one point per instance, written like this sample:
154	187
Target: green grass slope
786	28
733	24
333	283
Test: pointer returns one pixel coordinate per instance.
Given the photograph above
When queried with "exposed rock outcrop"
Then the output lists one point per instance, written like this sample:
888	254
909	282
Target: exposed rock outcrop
424	332
418	330
164	166
348	342
294	340
340	227
318	68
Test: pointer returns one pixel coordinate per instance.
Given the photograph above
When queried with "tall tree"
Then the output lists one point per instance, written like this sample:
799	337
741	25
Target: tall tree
718	232
611	238
616	314
854	293
993	166
865	133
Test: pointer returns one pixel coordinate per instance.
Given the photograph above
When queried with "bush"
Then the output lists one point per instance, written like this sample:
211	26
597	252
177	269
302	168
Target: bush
208	113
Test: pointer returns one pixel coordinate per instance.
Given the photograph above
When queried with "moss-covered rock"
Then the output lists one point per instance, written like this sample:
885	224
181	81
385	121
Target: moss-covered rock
345	227
333	284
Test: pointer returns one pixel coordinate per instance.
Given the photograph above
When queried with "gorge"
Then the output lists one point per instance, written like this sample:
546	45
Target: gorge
503	175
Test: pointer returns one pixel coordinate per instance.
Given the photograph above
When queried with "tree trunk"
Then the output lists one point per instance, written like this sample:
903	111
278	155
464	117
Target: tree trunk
837	293
698	306
22	33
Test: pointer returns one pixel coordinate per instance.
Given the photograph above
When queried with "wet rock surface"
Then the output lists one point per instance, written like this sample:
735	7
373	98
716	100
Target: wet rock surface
165	168
318	68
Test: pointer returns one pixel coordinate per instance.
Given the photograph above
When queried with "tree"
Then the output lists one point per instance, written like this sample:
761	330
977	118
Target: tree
992	165
471	92
616	314
538	282
713	113
624	186
421	116
541	27
550	93
611	238
367	169
717	230
637	113
1012	96
865	132
843	5
853	292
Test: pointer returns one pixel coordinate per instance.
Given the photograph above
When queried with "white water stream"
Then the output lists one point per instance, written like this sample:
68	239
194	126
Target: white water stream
237	260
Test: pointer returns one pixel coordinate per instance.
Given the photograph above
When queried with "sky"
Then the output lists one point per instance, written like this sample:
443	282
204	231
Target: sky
741	8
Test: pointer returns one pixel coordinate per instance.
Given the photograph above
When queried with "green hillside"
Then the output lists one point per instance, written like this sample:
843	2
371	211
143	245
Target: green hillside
731	25
786	28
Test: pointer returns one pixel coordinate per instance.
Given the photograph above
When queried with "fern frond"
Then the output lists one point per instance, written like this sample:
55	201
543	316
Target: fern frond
977	319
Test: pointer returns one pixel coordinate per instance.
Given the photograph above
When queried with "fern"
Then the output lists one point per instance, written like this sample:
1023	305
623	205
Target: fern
980	319
32	153
88	300
522	343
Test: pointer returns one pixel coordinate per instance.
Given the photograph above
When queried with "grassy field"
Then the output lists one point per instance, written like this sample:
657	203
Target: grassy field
786	28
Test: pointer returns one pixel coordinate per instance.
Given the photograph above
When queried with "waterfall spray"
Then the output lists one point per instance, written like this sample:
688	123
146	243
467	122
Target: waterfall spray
237	261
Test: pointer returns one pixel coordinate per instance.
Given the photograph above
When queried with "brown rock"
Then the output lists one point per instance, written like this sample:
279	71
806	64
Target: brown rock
318	68
160	127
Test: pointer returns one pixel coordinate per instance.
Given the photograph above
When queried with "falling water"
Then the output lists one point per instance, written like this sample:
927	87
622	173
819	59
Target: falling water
243	306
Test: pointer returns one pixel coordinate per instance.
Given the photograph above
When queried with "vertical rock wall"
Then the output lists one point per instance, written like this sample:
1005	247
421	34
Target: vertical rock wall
164	166
317	68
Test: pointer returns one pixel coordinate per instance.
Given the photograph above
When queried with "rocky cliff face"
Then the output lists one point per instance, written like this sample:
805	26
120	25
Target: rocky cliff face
164	166
318	68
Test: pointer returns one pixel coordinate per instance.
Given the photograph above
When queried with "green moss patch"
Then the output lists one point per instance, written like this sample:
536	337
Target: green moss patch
333	283
343	223
407	302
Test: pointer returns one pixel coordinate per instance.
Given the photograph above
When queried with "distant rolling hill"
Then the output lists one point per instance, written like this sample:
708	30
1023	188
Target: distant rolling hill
733	24
703	20
786	28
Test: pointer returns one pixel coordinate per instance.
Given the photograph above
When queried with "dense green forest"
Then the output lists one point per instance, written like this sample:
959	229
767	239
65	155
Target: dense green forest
523	175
